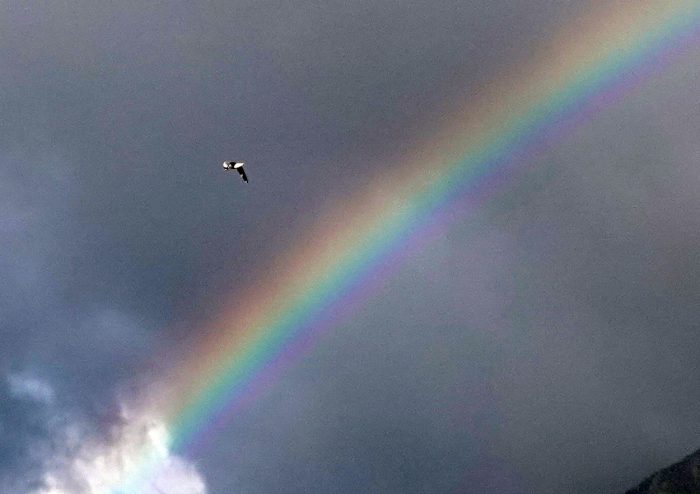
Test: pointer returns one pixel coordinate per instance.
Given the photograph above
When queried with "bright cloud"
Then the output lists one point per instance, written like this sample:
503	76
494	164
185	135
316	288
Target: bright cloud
104	466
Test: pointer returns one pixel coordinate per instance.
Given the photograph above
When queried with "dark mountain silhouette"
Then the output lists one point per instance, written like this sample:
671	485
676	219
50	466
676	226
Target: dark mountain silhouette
680	478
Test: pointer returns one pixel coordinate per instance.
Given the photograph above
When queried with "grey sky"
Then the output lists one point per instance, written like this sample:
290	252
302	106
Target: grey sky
546	344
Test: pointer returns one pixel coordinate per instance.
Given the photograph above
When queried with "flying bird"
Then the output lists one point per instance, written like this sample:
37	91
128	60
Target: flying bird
238	166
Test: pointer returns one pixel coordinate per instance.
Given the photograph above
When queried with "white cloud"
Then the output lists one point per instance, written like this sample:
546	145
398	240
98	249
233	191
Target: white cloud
91	465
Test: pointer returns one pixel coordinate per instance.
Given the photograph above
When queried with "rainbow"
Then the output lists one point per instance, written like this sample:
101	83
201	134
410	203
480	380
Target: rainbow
491	138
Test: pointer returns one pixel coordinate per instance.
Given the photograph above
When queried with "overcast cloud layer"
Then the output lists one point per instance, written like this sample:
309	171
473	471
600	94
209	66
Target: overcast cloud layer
546	344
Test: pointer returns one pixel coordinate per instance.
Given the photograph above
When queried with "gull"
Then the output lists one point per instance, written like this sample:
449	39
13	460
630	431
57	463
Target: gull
238	166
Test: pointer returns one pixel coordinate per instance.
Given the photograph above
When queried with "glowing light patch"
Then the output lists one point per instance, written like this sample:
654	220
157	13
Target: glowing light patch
91	465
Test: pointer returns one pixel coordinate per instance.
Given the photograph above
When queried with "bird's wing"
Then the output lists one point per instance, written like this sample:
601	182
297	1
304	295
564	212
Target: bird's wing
243	175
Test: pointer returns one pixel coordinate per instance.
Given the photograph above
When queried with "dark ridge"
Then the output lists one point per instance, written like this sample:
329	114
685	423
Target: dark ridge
680	478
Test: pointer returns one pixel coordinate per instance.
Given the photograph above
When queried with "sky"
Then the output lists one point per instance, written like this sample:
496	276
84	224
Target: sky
546	343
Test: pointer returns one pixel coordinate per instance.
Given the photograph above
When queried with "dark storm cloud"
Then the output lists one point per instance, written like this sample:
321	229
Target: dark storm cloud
116	115
80	343
144	100
21	431
544	345
27	425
